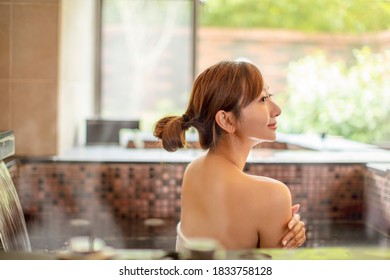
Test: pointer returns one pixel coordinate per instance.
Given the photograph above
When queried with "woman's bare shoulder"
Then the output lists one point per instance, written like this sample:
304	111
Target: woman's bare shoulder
262	183
267	195
194	165
269	201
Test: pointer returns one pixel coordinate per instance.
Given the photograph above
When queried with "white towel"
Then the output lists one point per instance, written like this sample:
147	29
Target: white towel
180	239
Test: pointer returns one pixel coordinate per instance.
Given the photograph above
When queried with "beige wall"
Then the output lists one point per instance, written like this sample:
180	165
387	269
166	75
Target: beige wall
46	72
28	74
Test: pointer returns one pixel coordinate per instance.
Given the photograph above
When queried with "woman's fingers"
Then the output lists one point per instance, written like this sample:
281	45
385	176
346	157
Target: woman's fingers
296	236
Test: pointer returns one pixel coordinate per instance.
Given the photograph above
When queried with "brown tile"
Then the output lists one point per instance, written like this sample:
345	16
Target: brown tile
35	41
34	117
5	106
4	40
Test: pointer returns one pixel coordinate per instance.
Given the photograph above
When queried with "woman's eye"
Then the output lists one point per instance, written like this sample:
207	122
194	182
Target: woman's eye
263	99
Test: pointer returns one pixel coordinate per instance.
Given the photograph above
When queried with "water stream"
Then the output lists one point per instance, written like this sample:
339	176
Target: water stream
13	230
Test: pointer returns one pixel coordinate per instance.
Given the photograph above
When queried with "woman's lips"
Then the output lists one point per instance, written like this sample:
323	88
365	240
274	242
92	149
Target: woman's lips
273	126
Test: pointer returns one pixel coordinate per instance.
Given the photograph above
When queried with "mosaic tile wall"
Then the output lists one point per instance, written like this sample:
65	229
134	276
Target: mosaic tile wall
110	196
119	198
92	190
140	191
377	199
325	191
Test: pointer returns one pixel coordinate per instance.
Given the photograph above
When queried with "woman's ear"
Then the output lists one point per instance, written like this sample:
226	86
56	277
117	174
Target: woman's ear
226	121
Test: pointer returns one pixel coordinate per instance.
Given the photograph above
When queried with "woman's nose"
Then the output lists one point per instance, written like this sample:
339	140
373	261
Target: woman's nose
276	111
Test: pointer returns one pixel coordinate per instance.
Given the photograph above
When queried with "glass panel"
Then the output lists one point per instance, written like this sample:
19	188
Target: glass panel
146	58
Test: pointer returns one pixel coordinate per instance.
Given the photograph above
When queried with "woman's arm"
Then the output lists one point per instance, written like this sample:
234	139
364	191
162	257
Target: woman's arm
276	213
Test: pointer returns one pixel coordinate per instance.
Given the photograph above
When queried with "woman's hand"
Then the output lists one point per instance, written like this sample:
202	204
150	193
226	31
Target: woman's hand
297	234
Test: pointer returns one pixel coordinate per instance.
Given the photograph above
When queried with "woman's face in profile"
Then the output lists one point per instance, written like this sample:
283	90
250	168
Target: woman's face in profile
258	120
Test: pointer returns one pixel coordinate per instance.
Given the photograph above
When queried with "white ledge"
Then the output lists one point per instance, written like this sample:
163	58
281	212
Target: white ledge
120	154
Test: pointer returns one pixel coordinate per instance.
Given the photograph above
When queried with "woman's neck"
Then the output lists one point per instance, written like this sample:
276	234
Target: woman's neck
232	150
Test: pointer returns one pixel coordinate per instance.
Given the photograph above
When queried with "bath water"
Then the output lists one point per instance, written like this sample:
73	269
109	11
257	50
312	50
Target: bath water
13	230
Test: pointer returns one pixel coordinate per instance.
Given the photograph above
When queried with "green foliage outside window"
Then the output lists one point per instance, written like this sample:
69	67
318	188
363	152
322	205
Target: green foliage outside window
334	98
323	96
342	16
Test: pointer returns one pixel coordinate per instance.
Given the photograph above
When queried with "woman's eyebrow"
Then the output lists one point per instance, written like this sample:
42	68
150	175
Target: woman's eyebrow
266	89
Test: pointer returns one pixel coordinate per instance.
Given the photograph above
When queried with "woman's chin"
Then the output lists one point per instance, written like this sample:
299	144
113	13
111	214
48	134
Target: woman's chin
262	140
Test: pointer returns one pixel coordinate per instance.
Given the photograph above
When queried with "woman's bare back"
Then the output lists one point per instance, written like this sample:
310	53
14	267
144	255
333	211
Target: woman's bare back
239	210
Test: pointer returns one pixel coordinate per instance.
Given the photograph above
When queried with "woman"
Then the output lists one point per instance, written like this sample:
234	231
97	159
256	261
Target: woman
232	110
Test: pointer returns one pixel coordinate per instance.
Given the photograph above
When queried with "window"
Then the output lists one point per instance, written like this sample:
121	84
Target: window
146	58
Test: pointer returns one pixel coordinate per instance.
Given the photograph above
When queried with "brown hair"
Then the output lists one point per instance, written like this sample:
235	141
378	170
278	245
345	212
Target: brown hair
228	86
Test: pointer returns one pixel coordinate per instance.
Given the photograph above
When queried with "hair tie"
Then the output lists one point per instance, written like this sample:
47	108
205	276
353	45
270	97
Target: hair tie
186	121
185	118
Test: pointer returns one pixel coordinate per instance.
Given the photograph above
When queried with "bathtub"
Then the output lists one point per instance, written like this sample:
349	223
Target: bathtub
131	197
